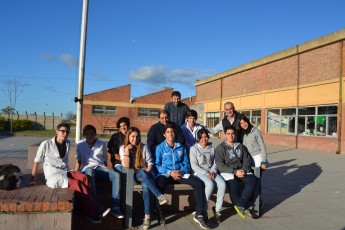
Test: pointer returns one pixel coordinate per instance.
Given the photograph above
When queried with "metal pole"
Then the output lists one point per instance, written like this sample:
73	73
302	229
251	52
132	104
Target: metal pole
81	70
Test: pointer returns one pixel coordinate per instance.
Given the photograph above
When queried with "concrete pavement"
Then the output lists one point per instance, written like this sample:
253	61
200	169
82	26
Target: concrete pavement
301	190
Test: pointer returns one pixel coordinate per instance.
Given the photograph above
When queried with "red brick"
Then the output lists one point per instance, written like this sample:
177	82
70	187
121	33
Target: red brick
38	206
46	206
53	206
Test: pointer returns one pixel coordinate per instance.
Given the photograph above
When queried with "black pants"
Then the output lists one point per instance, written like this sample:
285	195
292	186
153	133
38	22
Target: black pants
197	185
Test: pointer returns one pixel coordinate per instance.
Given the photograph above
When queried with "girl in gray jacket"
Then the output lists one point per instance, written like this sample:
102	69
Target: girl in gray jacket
204	166
254	142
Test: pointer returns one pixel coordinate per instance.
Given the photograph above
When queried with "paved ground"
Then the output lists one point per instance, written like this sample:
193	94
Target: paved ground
302	190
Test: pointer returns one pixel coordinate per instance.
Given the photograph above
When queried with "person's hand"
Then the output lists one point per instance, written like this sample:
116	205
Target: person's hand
212	175
240	173
263	167
176	175
129	147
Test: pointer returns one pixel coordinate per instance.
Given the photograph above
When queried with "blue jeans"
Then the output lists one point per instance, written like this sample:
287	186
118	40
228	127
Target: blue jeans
251	189
209	187
141	176
104	173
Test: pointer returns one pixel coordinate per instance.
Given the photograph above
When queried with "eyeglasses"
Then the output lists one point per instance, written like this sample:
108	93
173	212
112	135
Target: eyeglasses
64	131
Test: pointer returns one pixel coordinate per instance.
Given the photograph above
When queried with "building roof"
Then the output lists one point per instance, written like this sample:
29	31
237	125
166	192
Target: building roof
301	48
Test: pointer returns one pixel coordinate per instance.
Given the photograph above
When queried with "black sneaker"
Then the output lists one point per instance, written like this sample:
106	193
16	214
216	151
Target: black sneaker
117	213
200	220
216	215
160	218
94	218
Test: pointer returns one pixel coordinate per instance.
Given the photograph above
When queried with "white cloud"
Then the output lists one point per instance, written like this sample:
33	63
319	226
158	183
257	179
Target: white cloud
68	60
159	75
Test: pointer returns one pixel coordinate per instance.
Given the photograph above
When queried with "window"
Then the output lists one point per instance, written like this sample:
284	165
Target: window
254	116
103	110
144	112
273	121
212	119
318	121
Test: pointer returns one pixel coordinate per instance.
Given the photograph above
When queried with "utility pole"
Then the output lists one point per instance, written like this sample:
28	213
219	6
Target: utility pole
81	70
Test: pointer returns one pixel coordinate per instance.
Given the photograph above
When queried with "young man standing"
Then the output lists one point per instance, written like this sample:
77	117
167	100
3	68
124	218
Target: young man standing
92	160
234	163
173	167
177	110
53	153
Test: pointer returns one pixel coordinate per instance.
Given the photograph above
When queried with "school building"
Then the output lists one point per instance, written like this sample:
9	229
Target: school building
294	96
102	109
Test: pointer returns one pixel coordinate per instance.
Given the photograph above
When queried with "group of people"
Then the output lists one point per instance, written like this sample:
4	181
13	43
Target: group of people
177	151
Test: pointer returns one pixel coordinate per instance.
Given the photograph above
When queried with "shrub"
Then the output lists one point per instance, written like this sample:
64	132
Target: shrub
22	124
3	124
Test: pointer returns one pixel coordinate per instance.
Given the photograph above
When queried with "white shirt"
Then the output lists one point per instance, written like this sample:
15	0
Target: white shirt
55	169
145	152
91	156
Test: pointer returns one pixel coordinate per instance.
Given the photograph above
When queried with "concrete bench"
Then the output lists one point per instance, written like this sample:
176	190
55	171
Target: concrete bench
127	178
32	207
76	218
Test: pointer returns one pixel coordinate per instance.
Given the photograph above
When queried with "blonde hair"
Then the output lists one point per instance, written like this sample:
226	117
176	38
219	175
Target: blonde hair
138	164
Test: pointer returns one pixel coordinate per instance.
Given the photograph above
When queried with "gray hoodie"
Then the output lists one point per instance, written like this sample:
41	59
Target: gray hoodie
202	159
255	143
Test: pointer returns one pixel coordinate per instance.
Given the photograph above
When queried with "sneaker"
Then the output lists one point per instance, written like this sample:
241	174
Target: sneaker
160	218
240	211
162	200
216	215
103	211
200	220
94	218
117	213
146	223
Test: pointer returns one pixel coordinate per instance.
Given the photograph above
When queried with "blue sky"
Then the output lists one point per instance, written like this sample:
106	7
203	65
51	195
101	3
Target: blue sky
150	44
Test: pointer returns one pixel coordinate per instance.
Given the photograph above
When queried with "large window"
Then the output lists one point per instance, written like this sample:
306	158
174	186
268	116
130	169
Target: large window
317	121
212	119
254	116
103	110
144	112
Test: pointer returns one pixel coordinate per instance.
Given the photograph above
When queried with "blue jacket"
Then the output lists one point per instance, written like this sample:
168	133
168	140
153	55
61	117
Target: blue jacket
168	159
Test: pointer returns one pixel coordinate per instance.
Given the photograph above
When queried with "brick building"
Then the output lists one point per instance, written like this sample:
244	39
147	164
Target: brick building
106	107
295	96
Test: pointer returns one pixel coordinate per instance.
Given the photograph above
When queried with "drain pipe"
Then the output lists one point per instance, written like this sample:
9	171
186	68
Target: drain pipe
340	108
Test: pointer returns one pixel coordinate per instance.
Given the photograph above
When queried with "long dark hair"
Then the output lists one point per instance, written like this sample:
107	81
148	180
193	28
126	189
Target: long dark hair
250	126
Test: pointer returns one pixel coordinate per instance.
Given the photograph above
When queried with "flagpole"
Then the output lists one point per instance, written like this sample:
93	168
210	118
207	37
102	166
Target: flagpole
81	70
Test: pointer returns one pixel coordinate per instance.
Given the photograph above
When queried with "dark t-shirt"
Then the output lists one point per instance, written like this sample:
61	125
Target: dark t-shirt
114	144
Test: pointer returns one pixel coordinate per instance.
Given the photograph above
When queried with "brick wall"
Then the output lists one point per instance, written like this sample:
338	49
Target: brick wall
319	65
209	91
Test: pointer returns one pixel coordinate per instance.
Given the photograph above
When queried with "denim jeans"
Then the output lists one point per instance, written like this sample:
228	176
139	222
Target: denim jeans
141	176
250	191
198	188
103	173
209	187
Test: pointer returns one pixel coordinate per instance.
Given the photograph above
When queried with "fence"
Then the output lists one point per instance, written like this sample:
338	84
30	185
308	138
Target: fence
41	122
